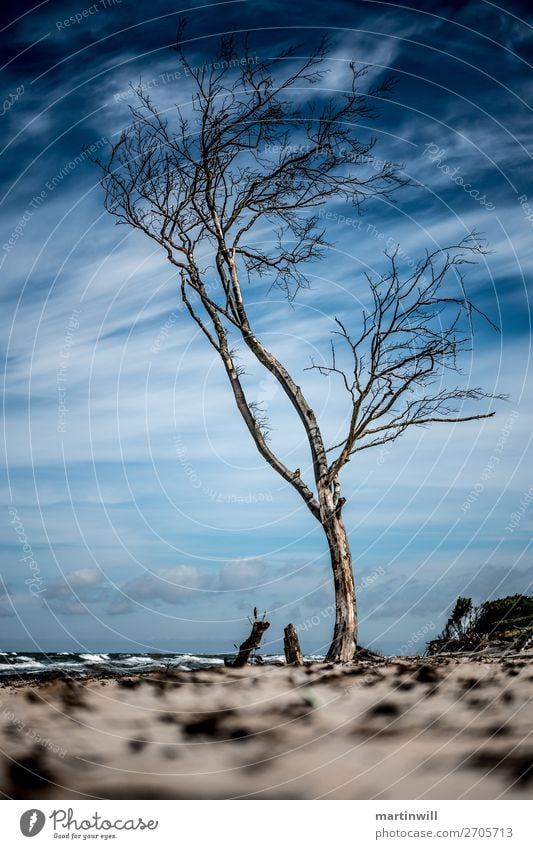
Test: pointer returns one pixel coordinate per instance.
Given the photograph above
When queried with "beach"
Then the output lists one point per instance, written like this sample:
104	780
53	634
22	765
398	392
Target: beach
394	728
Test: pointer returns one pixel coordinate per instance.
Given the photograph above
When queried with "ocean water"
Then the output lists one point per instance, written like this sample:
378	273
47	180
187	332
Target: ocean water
18	665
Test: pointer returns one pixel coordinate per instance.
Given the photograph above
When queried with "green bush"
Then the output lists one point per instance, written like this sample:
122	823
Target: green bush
469	626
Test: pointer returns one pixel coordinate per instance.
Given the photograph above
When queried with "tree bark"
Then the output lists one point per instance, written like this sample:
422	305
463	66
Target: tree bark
344	643
291	646
246	648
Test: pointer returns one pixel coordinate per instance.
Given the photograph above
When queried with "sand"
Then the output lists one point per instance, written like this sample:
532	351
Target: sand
443	728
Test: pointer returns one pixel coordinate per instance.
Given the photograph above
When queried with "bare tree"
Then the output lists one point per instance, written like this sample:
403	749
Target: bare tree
262	144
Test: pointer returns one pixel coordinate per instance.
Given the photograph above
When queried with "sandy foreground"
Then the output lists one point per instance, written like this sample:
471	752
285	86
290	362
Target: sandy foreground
396	729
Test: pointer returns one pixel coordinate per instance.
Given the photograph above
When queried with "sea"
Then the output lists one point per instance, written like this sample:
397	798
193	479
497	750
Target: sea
35	665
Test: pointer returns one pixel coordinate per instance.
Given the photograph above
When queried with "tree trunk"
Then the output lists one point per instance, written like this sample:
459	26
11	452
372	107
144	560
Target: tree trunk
291	646
344	643
246	648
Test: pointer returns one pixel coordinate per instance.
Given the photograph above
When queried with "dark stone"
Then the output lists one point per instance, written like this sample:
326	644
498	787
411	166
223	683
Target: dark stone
384	709
30	773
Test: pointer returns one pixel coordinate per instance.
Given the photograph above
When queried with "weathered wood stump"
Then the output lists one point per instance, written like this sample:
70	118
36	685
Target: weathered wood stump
253	641
291	645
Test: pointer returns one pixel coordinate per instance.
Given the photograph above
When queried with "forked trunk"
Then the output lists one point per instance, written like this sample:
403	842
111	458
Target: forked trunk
343	646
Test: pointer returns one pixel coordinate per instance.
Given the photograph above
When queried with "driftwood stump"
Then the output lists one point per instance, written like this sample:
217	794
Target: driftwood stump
246	648
291	645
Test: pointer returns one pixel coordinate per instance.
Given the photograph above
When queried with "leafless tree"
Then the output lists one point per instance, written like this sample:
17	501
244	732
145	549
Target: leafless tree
261	143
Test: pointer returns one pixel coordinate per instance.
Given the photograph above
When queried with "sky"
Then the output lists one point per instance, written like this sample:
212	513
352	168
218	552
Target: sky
136	512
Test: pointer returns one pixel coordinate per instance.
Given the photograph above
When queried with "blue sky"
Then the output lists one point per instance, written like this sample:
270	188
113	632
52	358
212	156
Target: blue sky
149	520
